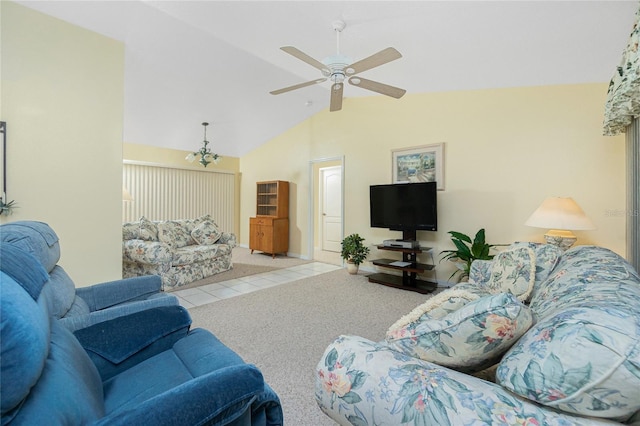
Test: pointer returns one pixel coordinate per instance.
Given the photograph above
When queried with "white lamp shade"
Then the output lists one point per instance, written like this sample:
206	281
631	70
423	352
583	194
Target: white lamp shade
126	195
560	213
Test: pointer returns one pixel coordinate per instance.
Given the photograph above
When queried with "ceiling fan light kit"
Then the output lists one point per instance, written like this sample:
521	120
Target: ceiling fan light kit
338	68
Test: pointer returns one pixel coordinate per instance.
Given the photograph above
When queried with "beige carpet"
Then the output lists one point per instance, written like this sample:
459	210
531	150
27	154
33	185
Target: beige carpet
245	264
285	329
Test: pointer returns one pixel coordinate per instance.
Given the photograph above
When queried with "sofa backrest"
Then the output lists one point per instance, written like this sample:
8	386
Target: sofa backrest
33	237
175	233
587	276
583	354
41	241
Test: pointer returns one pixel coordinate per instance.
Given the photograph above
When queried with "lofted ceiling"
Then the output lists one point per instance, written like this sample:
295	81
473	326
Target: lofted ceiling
192	61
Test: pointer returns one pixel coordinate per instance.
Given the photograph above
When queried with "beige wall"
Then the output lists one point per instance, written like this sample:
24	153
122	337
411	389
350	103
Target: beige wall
62	99
505	151
176	158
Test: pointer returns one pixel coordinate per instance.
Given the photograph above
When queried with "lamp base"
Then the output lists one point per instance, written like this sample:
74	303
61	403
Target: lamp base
562	239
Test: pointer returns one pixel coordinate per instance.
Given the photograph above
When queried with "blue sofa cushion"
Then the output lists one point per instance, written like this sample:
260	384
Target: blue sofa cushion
23	268
69	392
24	334
36	238
141	328
63	292
234	391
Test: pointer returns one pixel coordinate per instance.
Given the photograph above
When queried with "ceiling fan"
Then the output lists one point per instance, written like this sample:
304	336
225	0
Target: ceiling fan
339	67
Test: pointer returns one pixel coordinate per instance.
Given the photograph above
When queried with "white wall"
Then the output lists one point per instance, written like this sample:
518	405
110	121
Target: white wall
62	98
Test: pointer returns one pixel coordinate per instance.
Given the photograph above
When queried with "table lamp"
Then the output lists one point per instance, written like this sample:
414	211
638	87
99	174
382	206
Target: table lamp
126	195
561	216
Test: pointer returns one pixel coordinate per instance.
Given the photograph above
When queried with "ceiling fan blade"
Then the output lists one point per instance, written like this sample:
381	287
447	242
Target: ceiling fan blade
298	86
336	97
382	57
306	58
384	89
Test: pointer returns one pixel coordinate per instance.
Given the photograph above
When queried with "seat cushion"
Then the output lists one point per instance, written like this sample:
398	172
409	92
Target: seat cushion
197	354
197	253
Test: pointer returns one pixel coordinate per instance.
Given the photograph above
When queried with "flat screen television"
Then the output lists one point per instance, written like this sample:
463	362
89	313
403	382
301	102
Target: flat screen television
406	207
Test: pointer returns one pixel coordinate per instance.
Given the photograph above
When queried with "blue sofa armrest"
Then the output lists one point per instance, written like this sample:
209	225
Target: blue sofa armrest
105	295
224	397
120	343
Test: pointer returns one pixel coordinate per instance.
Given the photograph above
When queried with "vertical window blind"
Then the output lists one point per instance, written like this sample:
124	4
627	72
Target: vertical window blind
167	193
633	193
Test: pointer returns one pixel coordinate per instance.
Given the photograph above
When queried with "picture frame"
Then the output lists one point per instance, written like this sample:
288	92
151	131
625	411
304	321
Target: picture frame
419	164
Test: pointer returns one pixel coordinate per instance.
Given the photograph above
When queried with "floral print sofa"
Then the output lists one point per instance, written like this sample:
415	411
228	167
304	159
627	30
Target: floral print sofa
560	333
179	251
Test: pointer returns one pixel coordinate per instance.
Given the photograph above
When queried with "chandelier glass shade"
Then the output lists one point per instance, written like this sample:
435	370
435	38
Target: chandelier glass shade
206	156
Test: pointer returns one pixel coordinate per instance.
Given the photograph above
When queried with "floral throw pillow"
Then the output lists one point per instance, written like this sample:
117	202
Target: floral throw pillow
584	360
148	230
173	233
206	233
514	271
437	306
469	339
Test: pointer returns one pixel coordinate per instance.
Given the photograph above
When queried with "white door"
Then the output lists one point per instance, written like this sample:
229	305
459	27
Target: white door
331	207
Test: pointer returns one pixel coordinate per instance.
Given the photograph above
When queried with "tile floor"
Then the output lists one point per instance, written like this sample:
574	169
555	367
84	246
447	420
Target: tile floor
225	289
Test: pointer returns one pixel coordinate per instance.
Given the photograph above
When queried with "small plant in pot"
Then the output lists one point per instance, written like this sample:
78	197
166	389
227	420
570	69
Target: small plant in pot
467	251
354	252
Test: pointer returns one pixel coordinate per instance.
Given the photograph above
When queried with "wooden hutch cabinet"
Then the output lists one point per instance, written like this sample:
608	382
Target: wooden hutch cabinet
269	230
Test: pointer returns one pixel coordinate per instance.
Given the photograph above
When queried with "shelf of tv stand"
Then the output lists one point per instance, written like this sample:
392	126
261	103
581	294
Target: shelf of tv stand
408	280
396	281
416	267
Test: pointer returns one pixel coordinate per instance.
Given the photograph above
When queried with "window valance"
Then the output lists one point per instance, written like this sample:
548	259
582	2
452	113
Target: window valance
623	95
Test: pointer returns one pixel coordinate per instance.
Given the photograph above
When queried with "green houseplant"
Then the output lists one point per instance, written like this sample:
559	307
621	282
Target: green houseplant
467	251
7	208
354	252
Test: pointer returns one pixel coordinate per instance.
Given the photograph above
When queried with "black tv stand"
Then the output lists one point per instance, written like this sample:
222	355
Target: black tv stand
410	268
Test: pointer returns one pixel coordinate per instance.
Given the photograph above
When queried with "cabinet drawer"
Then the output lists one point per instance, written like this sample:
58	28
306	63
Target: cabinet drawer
265	221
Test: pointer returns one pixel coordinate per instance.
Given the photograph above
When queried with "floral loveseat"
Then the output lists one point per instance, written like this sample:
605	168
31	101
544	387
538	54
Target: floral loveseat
179	251
562	331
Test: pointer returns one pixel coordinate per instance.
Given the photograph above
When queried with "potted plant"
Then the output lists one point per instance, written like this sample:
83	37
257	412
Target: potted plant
7	208
467	251
354	252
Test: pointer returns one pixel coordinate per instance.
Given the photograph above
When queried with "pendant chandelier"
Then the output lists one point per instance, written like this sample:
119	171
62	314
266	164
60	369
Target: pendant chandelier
206	156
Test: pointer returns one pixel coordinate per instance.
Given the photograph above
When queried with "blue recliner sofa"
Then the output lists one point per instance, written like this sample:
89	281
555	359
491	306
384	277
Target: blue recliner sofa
84	306
145	368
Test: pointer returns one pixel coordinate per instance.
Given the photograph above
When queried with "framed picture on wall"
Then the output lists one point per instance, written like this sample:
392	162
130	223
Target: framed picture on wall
419	164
